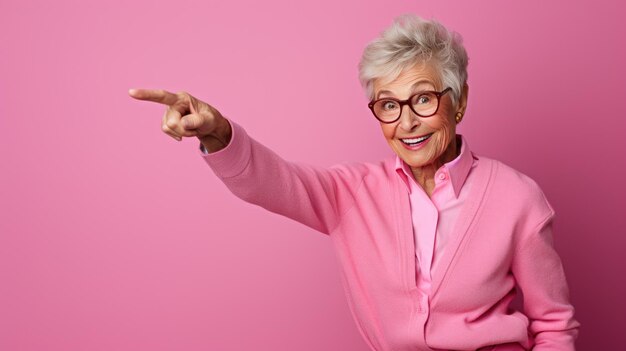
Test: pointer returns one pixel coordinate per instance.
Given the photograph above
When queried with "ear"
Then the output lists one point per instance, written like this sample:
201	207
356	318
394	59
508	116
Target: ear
463	99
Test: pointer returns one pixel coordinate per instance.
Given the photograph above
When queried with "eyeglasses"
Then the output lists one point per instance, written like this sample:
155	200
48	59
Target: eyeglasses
424	104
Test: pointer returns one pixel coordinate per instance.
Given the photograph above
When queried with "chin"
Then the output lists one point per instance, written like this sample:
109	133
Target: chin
414	158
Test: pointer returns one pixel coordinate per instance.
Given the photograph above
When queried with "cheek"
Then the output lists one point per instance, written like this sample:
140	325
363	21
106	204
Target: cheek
439	124
445	131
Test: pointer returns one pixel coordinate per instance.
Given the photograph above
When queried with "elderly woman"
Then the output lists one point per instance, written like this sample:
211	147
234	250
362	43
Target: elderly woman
434	242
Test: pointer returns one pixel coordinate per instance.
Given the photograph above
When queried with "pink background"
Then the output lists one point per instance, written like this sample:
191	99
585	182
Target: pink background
113	236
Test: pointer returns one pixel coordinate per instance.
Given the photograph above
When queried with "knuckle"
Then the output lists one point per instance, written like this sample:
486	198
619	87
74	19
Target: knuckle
209	118
183	95
171	124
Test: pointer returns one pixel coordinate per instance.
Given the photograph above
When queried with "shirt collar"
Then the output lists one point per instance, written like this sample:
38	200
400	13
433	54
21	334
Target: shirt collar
458	169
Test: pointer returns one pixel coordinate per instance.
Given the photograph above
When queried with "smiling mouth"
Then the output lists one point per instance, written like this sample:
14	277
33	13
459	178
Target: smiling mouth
416	141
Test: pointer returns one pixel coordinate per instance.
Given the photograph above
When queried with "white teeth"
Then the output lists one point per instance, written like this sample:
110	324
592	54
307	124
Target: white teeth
416	140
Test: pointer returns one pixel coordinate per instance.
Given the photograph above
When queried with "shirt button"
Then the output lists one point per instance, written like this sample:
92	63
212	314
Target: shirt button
442	176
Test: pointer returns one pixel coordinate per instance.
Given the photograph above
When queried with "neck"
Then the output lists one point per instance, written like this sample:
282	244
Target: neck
425	175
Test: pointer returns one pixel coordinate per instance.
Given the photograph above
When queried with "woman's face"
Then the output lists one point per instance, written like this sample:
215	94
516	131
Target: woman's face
441	125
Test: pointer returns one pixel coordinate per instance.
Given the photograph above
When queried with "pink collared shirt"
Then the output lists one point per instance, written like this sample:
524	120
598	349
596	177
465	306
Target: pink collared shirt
433	217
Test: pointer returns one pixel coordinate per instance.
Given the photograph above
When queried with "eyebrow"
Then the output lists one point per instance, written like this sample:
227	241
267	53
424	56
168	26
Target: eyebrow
416	84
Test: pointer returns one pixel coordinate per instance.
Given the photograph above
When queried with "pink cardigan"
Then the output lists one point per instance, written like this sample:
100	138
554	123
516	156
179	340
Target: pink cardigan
504	239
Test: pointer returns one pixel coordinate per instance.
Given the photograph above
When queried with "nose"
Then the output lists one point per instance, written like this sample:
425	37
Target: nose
408	119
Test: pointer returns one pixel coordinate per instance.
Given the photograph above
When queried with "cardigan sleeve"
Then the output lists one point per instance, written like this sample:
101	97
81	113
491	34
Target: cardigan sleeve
312	195
539	273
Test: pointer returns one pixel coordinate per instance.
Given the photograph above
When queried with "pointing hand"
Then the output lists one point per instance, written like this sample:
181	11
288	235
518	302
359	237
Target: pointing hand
186	116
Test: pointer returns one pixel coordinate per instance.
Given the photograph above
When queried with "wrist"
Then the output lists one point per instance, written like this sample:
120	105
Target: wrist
219	138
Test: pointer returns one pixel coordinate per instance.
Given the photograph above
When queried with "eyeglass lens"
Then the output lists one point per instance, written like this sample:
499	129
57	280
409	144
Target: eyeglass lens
423	104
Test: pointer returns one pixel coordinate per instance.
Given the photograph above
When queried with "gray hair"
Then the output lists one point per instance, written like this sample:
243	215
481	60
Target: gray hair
411	40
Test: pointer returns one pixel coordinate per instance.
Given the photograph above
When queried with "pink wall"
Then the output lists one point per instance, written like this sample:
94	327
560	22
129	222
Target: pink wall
114	236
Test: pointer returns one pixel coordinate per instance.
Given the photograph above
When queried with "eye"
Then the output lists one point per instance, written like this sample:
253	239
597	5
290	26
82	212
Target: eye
423	99
389	105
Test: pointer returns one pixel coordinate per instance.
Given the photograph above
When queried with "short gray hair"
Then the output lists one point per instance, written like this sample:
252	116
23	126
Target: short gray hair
411	40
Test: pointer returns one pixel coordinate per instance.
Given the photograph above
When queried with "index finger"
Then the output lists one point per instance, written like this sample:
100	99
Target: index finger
156	95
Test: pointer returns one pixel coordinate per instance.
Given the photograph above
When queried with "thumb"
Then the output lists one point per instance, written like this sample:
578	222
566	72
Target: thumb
192	121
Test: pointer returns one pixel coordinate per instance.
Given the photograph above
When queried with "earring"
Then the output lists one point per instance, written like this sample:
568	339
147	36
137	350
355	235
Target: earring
458	117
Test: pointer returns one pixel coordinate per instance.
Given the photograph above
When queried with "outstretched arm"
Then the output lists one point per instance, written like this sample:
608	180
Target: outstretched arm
314	196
